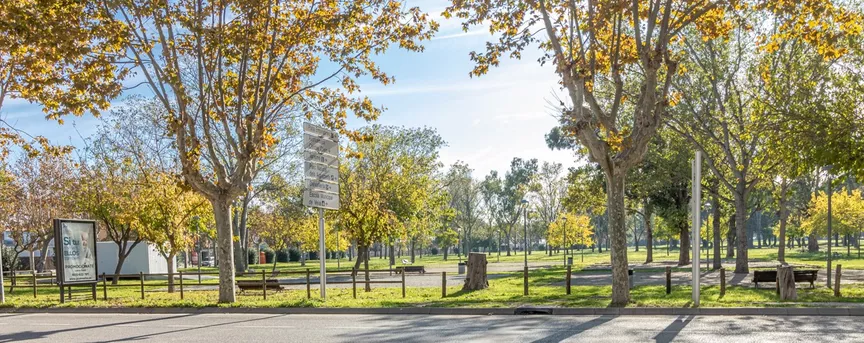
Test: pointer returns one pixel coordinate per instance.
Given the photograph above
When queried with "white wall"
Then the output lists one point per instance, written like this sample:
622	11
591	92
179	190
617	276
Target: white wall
144	258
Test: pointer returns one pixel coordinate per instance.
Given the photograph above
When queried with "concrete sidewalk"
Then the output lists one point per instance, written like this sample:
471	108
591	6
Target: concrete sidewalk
728	311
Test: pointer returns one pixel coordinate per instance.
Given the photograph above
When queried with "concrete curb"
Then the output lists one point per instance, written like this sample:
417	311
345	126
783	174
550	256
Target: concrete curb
629	311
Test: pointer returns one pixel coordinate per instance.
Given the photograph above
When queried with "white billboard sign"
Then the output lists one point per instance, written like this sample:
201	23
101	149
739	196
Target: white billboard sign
76	245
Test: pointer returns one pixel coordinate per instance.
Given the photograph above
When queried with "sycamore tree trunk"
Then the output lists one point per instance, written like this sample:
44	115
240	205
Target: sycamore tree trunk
172	266
649	231
618	237
684	236
781	250
715	206
741	265
510	231
225	249
43	252
730	238
123	252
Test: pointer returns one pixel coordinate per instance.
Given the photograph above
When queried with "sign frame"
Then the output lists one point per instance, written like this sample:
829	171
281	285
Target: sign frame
59	260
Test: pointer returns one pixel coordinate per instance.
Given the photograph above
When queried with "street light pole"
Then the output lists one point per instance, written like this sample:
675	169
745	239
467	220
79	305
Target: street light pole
525	235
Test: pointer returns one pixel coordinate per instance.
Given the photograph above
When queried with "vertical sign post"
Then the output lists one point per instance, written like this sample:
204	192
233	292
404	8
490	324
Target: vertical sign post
321	169
696	216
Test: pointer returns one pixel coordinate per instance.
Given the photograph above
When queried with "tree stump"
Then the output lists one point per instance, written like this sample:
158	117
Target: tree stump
786	283
476	277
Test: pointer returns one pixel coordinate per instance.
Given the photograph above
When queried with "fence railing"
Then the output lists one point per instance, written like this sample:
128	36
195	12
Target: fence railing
266	280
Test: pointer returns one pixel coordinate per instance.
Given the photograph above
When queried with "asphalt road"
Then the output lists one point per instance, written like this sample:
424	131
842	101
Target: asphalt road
219	328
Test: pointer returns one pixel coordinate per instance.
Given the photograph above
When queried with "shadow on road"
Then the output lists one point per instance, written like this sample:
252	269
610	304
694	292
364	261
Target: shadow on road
669	333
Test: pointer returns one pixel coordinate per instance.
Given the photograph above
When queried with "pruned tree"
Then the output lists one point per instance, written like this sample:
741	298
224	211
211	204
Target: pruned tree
225	74
616	60
548	188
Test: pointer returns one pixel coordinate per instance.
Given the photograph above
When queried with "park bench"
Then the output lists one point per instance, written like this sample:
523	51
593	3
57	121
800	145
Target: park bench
771	276
257	285
411	269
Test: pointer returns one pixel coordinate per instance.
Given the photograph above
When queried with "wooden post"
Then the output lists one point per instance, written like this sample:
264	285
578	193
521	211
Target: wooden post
668	280
264	283
62	293
141	274
722	281
837	282
308	290
403	282
69	292
354	284
104	287
181	285
569	273
93	289
443	284
34	285
525	281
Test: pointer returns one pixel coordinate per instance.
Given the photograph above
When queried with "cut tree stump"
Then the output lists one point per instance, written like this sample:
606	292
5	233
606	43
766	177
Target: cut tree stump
786	283
476	277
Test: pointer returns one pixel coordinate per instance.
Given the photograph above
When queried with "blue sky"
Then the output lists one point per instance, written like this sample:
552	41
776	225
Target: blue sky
486	121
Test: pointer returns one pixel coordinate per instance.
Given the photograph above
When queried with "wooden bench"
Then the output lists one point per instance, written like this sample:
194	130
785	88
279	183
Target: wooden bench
771	276
411	269
258	285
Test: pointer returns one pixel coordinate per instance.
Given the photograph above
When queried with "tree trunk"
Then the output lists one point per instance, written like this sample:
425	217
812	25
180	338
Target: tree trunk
366	286
509	232
715	206
781	250
813	242
225	249
684	252
618	237
649	231
43	251
786	283
172	261
413	244
741	264
476	277
446	250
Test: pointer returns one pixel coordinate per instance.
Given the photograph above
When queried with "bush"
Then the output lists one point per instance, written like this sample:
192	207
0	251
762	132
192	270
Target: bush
434	251
293	255
282	256
313	255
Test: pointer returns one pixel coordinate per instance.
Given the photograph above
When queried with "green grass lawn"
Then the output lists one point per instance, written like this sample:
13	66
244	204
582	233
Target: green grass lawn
661	254
546	289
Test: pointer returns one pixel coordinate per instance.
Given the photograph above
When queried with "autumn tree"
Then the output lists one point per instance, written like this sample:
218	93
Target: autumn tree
60	54
45	182
465	200
570	229
225	74
503	197
548	187
387	186
602	50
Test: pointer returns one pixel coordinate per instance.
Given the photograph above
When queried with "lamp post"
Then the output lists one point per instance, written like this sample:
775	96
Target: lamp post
830	191
525	235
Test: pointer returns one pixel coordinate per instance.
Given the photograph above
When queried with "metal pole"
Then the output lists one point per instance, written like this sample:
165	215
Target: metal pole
2	287
525	237
697	202
830	191
564	239
322	253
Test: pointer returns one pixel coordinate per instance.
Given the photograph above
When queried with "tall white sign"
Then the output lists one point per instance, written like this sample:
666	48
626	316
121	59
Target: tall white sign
321	170
321	167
